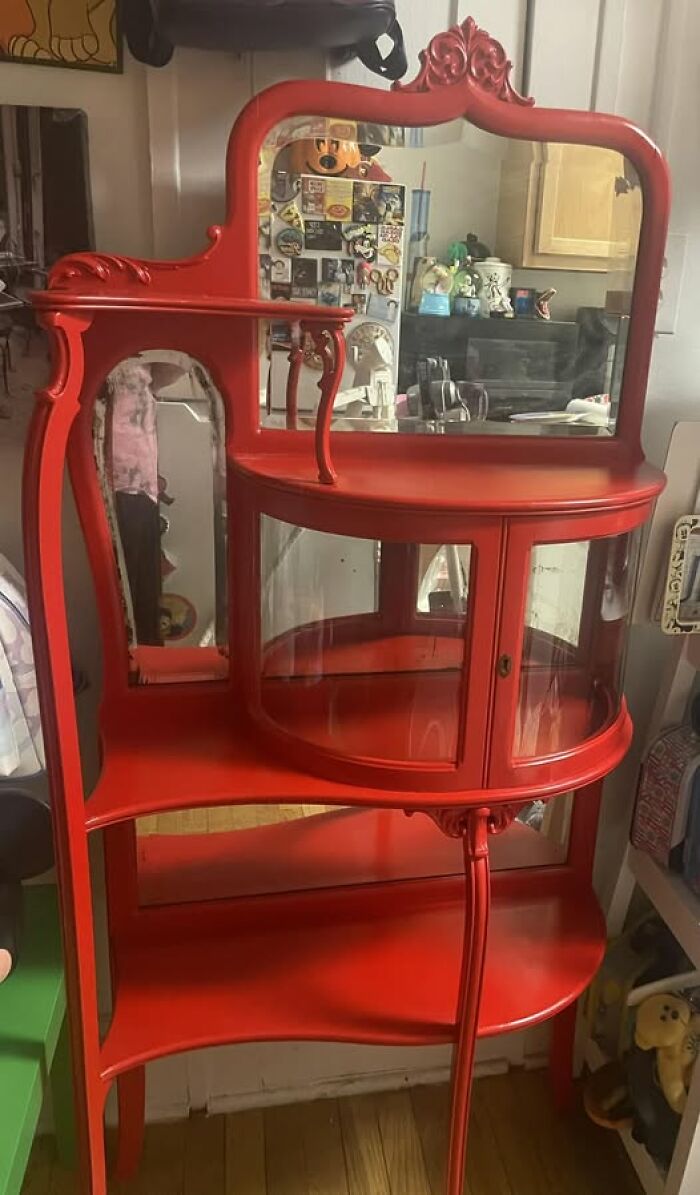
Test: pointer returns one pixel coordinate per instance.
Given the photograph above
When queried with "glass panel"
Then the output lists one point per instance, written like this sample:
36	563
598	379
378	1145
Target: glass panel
363	644
248	850
158	434
538	837
488	296
577	609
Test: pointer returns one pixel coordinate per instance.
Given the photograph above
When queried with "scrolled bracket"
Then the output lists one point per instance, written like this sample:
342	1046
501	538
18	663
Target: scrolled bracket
456	821
330	346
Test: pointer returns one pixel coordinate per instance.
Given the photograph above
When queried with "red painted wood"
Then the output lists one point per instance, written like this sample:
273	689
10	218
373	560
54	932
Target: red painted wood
375	964
469	1004
331	346
407	966
200	742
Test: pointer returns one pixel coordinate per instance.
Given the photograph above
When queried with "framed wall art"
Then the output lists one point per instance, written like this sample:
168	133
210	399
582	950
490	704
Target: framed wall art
681	605
82	34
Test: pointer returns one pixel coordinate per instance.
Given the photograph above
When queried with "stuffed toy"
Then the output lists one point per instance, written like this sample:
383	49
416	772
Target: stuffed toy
668	1025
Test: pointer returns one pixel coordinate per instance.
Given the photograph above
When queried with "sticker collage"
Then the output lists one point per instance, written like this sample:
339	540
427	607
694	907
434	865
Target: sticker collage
336	242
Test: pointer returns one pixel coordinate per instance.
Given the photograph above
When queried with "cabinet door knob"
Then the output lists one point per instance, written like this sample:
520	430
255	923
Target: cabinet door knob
505	665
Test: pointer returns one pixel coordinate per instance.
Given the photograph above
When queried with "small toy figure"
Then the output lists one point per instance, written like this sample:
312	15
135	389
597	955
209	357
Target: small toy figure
364	271
542	302
476	249
669	1025
457	254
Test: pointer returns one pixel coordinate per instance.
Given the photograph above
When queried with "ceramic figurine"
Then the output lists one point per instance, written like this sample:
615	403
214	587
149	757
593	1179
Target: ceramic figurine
544	298
496	279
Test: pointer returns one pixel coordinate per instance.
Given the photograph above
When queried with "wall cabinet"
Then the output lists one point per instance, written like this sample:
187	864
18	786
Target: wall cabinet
566	207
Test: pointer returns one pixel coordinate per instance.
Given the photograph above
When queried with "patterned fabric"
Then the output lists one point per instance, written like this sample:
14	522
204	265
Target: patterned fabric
664	780
134	436
21	742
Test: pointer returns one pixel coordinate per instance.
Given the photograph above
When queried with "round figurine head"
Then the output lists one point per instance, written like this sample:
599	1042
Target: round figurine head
326	156
661	1022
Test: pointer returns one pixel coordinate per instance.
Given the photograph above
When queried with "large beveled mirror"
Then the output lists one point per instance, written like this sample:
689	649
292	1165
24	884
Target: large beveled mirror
491	278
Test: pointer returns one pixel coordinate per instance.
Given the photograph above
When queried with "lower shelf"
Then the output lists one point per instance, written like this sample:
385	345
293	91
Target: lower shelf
377	963
650	1177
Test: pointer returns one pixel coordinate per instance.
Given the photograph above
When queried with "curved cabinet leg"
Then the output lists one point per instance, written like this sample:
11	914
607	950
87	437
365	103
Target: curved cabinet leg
473	827
476	864
131	1100
561	1058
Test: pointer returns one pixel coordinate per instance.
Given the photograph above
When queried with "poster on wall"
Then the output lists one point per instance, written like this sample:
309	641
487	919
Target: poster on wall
82	34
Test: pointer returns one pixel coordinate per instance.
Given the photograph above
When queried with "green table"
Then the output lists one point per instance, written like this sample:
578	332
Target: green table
34	1047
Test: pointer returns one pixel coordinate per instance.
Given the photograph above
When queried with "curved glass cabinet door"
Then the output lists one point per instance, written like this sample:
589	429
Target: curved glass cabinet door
577	606
566	612
364	645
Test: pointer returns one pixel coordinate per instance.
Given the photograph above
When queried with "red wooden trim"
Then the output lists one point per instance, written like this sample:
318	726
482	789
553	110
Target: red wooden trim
42	502
330	344
476	865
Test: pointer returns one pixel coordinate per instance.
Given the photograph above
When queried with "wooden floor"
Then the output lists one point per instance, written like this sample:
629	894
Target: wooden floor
219	818
388	1144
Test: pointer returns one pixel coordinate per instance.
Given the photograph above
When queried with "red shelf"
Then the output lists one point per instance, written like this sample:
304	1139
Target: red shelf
199	740
469	477
283	312
378	963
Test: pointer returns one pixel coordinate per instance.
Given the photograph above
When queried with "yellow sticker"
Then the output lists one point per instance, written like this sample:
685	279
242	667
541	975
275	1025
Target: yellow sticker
291	215
338	199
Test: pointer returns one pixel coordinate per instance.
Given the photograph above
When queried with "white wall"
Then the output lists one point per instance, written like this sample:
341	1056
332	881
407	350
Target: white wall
157	141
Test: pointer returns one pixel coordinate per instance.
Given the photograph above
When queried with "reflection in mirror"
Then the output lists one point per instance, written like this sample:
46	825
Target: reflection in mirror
491	279
538	837
250	850
158	438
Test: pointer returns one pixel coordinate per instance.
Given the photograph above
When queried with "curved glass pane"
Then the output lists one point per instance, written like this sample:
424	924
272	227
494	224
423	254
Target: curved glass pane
363	643
577	609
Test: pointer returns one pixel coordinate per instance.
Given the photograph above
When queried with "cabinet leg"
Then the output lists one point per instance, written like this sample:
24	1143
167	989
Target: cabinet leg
131	1101
476	862
561	1059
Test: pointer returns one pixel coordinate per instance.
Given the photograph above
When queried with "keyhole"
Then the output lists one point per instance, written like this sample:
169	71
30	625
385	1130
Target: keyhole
505	665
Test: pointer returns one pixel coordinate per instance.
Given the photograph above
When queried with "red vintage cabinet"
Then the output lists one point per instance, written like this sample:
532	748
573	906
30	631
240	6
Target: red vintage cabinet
464	707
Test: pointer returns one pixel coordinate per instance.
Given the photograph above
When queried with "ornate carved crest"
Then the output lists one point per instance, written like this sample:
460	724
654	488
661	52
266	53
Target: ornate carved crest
466	52
102	266
111	269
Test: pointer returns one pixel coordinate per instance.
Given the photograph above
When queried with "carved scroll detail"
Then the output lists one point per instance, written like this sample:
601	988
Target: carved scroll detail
454	820
466	52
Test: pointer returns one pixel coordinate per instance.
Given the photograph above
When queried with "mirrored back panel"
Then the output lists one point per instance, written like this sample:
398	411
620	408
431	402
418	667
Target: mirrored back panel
491	279
158	439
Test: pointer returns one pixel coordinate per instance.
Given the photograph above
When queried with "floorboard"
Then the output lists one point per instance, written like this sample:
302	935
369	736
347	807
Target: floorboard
393	1143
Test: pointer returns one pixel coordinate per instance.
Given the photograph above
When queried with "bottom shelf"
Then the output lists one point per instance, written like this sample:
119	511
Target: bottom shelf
645	1167
375	963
